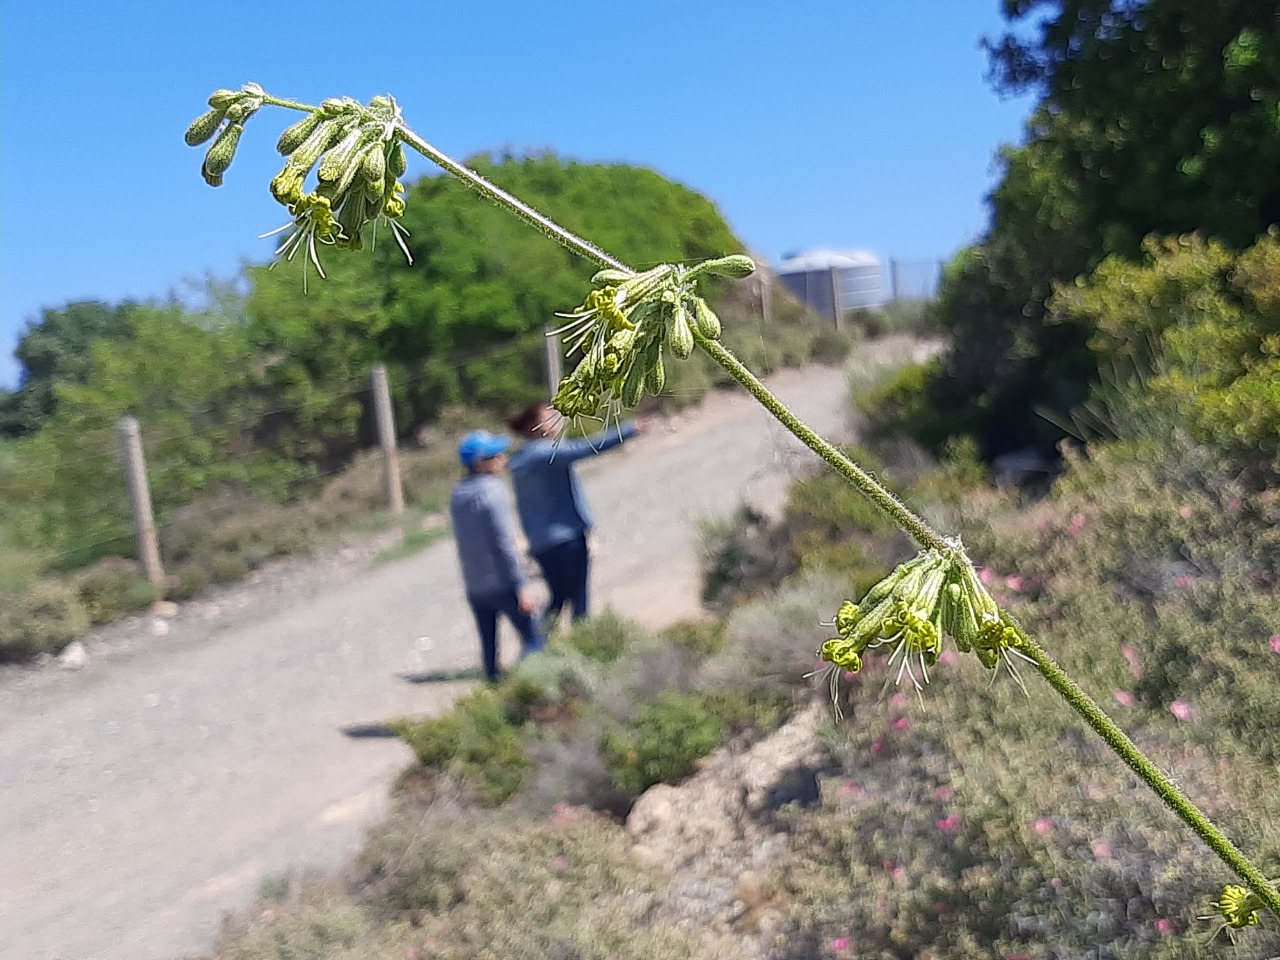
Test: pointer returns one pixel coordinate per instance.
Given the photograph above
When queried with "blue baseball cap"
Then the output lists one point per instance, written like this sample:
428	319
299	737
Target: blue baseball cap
480	445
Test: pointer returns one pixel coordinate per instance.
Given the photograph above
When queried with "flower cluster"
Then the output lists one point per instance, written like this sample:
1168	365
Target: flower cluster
935	595
623	327
1239	906
354	149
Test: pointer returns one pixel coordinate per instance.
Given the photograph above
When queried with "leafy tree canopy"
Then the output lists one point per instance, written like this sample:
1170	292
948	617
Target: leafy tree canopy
1155	117
463	322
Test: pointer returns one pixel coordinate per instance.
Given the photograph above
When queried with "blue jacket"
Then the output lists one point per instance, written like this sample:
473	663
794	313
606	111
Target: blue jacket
552	508
484	530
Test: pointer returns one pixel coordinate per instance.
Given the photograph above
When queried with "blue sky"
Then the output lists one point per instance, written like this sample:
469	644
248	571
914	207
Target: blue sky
841	123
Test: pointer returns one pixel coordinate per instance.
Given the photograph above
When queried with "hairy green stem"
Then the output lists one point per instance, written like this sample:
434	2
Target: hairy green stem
496	194
906	519
1137	761
1067	688
871	488
268	99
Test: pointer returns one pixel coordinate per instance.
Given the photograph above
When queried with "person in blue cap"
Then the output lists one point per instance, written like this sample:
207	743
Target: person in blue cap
553	510
484	530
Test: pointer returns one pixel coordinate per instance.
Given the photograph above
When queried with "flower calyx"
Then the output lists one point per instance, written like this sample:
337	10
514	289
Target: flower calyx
625	326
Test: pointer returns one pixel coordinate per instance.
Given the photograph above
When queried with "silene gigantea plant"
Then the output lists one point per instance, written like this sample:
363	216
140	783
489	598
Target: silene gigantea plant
625	330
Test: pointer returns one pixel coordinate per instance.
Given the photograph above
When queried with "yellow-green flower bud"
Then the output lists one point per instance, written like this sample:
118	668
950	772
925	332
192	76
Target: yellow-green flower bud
223	151
396	162
375	166
393	207
334	162
655	377
222	99
294	134
203	127
309	151
335	107
736	266
707	322
679	333
286	186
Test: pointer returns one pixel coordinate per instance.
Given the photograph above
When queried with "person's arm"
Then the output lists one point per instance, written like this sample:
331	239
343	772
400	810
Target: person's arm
571	450
502	524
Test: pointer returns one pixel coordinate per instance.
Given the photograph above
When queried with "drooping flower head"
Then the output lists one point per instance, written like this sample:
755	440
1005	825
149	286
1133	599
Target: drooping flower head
624	327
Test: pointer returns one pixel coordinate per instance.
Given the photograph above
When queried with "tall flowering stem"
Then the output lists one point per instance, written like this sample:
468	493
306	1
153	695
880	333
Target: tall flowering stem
624	329
1054	675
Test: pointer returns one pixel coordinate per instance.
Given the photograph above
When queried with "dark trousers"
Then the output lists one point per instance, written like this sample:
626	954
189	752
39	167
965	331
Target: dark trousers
486	610
565	568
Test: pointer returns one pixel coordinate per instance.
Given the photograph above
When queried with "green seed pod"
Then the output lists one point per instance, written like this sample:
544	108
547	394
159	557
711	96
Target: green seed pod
203	127
396	161
679	333
223	151
705	318
334	107
296	133
222	99
655	377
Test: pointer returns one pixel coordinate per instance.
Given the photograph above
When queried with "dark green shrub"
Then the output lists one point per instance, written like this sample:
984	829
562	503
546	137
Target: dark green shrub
702	638
663	743
474	744
603	637
831	346
43	617
112	588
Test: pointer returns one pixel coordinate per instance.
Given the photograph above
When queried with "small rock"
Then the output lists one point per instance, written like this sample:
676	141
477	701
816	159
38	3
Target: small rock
164	608
73	655
652	810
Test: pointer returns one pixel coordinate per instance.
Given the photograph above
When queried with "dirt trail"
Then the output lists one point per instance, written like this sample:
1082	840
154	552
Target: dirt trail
149	791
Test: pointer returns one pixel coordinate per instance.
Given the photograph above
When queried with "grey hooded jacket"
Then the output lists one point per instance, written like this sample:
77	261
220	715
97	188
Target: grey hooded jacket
484	530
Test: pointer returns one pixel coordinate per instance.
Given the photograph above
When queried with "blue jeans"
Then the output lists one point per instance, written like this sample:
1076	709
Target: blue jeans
565	567
486	610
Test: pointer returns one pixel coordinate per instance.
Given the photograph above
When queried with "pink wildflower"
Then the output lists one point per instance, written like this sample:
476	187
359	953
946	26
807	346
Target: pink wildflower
1042	827
1076	524
943	794
1234	504
1164	926
1101	849
850	789
898	701
1275	643
949	824
1122	697
1134	661
560	863
902	723
841	944
1184	582
877	746
1183	711
849	676
987	575
1013	582
1186	511
949	658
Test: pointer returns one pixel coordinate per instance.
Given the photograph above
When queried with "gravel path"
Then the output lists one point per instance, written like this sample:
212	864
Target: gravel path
152	789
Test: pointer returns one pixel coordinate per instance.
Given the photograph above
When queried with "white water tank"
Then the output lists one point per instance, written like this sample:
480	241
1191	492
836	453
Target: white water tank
834	280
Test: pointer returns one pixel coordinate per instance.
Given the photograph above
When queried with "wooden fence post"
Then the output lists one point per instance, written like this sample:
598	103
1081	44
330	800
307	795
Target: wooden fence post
387	437
144	524
555	371
837	307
